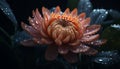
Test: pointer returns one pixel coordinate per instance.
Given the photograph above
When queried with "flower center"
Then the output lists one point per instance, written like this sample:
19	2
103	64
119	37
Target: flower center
63	23
63	31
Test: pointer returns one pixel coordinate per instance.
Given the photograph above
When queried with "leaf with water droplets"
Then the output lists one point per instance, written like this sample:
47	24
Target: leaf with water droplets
84	6
115	14
98	16
4	6
107	57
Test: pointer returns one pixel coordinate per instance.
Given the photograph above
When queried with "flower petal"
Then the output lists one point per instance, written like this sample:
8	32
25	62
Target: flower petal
92	30
51	52
74	12
79	49
91	51
75	49
67	11
86	22
86	39
42	41
81	16
74	43
45	11
63	49
98	42
83	48
57	10
38	16
67	39
28	43
71	57
34	23
30	30
46	15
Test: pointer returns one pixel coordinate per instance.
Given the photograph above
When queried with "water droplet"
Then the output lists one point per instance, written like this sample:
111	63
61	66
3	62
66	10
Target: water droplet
8	13
107	57
100	60
33	24
102	16
106	12
2	9
92	43
6	8
36	22
94	10
89	5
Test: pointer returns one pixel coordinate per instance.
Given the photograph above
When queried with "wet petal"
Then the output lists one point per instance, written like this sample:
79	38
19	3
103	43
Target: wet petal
58	42
79	49
83	48
51	52
92	29
28	43
86	22
67	39
86	39
38	16
98	42
67	11
45	11
46	15
34	23
38	41
71	57
74	43
30	30
75	49
63	49
81	16
74	12
91	51
42	41
57	9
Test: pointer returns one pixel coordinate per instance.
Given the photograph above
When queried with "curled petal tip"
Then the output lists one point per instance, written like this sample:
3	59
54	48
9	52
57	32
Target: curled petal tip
82	16
57	9
43	9
36	9
67	11
74	12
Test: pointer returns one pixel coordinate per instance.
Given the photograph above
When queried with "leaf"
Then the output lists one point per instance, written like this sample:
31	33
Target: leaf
4	6
112	34
85	6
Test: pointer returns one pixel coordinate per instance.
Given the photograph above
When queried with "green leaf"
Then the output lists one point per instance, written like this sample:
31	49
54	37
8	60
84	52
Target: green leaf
112	34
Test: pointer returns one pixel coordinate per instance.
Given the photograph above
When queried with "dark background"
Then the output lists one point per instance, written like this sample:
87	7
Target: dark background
23	8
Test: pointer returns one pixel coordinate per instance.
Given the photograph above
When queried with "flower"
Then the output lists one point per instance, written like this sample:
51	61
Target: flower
65	33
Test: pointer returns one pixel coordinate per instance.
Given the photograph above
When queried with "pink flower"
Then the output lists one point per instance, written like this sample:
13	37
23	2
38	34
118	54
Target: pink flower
65	33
